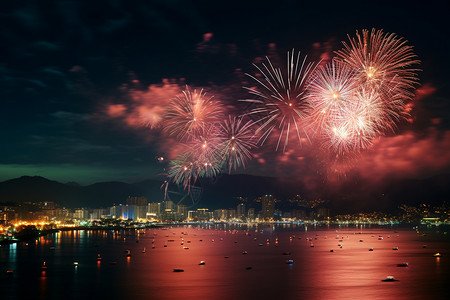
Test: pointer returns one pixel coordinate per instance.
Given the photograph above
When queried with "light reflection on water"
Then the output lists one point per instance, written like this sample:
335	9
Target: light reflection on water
350	272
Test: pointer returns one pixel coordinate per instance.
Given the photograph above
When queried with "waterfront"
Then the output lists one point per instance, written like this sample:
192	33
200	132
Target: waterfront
350	272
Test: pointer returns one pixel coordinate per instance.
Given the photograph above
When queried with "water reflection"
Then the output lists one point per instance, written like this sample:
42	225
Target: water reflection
350	271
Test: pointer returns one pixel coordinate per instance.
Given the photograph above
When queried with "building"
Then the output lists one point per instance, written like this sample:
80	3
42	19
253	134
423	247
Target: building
153	210
220	214
182	211
140	212
231	214
268	207
240	211
251	214
168	206
81	214
137	201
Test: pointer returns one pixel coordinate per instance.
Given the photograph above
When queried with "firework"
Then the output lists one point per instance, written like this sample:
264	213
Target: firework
182	170
188	114
281	104
358	123
201	158
382	61
238	139
205	149
330	91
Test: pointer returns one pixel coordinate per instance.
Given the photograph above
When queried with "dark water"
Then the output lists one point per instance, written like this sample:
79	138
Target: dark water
350	272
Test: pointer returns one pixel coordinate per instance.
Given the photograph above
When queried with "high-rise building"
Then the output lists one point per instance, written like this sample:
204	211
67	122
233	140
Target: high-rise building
168	206
81	214
231	214
137	201
251	213
268	207
220	214
153	210
140	212
240	211
182	211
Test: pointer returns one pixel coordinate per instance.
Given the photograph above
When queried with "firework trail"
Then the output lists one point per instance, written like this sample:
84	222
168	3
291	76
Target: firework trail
238	140
188	114
281	104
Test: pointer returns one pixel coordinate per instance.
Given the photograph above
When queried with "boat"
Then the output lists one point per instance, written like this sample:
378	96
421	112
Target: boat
361	241
52	248
371	249
405	264
9	272
178	270
202	262
44	267
437	255
75	263
248	268
225	257
244	252
128	253
389	278
99	258
311	245
331	250
143	251
395	248
289	261
185	248
260	245
286	253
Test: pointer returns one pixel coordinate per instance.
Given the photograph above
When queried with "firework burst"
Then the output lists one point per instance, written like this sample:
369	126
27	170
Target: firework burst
189	114
382	61
281	104
331	89
238	140
182	170
358	123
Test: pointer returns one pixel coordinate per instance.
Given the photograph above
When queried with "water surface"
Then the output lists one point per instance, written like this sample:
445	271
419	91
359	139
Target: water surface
350	272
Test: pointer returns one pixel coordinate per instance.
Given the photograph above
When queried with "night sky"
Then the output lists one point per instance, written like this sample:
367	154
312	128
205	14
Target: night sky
81	81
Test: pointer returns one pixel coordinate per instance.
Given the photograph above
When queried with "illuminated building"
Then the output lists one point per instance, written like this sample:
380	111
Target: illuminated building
182	211
220	214
241	211
268	207
153	210
251	214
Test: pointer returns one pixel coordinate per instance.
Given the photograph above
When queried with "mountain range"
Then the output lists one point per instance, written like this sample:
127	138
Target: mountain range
222	192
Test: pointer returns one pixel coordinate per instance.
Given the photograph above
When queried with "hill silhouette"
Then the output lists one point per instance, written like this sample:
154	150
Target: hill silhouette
222	192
